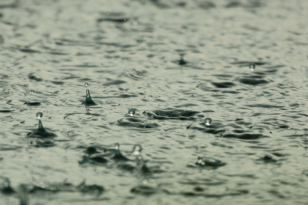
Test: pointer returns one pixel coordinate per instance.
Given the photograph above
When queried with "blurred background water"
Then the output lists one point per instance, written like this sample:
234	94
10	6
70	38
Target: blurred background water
173	63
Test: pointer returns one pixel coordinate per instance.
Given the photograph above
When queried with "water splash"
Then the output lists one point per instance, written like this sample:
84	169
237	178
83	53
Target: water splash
118	155
140	163
41	132
88	101
40	126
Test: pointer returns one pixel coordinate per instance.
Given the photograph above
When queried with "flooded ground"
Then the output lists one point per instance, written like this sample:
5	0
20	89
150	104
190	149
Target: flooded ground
155	70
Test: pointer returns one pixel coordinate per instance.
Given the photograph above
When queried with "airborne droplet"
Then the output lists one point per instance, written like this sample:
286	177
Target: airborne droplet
137	149
39	115
207	121
86	84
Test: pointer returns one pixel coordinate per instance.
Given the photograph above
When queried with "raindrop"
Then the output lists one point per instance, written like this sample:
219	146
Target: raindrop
132	112
207	121
252	66
39	115
86	84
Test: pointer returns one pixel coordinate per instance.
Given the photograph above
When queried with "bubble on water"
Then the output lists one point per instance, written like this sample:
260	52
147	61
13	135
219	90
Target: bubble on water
207	121
39	115
86	84
252	66
132	112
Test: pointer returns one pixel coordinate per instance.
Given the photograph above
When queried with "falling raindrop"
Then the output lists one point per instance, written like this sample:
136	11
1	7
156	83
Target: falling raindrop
88	100
39	115
207	121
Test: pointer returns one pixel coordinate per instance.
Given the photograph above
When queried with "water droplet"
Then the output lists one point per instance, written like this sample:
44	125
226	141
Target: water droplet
86	84
137	149
39	115
207	121
132	112
116	146
252	66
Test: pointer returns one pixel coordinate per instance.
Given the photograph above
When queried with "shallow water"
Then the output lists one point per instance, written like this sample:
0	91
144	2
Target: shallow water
128	54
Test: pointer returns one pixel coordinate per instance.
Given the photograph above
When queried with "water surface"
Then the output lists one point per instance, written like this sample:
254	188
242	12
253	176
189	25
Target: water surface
175	63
